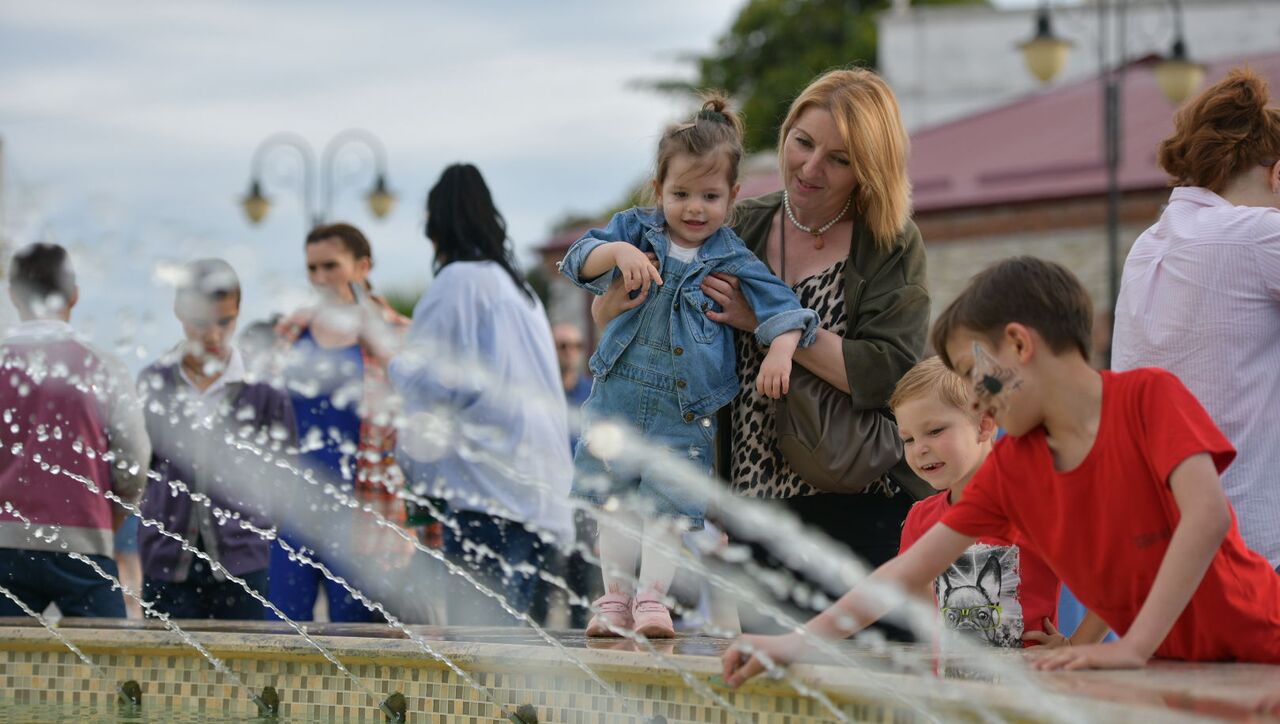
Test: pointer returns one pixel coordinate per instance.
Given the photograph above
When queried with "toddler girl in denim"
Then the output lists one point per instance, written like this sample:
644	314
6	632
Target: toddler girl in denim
663	368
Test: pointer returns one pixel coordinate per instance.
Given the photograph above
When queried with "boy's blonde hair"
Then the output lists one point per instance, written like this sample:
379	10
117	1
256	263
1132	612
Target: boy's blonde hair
931	377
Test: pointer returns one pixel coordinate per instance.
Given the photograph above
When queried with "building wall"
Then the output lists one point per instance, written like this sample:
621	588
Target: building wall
948	62
956	249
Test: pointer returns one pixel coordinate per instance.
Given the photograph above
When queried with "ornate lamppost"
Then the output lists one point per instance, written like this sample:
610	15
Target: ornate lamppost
379	198
1176	74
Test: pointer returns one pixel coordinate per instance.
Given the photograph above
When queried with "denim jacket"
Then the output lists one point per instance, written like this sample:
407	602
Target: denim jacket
702	350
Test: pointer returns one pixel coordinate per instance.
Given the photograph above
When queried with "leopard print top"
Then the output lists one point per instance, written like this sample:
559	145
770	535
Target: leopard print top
757	469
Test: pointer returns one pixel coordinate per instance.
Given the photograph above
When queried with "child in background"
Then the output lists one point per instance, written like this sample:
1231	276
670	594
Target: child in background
1111	477
998	592
195	396
663	367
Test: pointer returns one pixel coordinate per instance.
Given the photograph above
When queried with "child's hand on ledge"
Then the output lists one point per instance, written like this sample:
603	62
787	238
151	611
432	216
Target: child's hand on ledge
1049	638
1111	655
743	660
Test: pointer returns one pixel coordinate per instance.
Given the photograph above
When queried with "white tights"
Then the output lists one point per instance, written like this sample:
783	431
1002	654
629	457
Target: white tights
619	553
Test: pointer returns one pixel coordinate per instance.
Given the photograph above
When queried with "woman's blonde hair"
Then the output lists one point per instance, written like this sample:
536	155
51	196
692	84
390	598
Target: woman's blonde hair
867	117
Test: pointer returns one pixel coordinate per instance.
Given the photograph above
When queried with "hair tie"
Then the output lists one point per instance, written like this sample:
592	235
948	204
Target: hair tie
711	114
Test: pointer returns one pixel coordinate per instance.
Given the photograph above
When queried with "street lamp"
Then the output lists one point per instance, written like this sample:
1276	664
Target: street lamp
1045	53
1177	76
380	198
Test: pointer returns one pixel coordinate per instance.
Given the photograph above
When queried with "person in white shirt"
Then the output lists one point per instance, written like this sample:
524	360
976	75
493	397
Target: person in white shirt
1200	295
486	421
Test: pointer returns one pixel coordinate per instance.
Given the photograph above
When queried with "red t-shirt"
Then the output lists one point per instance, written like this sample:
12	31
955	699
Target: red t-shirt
1104	527
994	572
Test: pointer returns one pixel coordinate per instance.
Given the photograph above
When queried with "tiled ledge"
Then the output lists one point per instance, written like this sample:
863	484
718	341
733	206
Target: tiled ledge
517	666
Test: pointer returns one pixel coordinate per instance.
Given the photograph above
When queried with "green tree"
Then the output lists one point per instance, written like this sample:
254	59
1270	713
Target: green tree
775	47
402	300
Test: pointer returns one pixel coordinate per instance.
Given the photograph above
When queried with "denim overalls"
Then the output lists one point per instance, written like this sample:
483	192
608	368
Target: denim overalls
663	369
640	392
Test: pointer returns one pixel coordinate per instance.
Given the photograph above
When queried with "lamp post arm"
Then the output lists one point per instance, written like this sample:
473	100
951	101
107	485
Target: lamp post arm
330	154
308	160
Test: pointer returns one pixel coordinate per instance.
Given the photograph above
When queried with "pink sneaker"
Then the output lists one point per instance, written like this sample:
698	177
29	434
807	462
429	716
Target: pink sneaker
651	616
612	609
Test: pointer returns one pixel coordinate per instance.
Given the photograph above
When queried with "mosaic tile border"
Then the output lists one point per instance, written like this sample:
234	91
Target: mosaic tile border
34	669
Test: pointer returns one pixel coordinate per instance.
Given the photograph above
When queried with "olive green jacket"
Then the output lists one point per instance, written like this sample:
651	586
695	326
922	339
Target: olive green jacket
886	300
884	295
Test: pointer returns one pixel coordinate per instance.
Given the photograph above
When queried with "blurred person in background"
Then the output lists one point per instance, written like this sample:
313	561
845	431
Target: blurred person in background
486	425
336	377
582	576
69	410
194	396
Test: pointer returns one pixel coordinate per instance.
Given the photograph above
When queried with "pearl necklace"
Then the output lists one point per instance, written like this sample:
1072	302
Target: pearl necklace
817	233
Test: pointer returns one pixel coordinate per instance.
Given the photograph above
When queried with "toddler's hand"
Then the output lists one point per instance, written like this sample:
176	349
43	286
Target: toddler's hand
774	379
1050	638
637	270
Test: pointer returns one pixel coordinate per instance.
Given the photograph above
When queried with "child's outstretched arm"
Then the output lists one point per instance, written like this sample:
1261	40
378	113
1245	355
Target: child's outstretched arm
774	379
911	571
1205	520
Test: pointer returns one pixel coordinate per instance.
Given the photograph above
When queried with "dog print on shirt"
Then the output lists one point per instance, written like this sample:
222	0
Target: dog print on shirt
978	595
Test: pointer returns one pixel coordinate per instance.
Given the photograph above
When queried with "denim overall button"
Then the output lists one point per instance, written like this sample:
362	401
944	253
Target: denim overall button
688	417
678	350
681	384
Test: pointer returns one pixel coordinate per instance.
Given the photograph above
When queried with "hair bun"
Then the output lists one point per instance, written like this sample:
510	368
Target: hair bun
1246	90
1224	131
710	114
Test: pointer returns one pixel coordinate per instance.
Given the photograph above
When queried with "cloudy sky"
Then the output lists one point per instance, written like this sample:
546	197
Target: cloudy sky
128	127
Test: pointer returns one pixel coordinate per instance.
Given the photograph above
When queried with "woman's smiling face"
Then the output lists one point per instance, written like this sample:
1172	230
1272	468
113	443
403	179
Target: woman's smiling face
817	171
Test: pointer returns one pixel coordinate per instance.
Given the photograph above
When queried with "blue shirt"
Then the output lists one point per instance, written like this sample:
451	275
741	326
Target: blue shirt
485	410
702	350
326	385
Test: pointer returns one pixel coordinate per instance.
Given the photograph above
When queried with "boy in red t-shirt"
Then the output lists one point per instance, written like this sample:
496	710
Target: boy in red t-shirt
998	592
1111	477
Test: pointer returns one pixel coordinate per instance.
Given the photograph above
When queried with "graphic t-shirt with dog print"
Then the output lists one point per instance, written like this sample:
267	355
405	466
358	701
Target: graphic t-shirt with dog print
996	591
1106	524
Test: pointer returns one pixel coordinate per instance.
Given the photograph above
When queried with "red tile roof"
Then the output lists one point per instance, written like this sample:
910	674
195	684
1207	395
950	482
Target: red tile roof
1050	144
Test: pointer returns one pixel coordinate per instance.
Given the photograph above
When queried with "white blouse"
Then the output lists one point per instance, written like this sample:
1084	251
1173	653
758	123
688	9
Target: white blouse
1200	297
